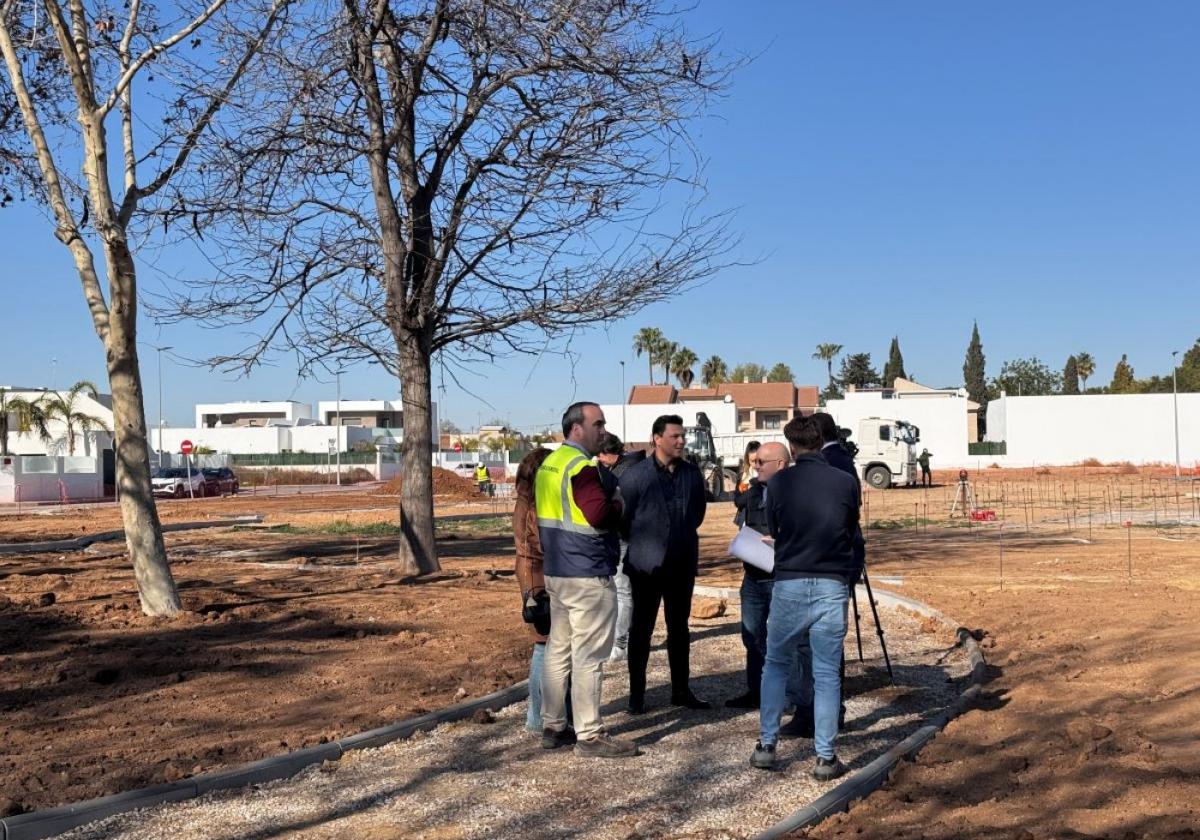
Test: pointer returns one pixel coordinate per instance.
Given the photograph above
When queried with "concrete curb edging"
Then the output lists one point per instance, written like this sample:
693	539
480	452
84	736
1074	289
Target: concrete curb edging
80	543
870	778
52	821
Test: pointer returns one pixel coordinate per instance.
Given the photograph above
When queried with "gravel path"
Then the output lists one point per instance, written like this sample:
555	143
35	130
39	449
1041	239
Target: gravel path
492	780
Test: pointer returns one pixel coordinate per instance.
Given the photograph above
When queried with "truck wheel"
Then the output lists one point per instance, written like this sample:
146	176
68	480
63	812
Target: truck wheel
879	477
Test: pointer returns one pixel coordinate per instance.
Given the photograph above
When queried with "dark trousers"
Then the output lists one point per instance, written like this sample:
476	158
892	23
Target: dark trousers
926	477
673	589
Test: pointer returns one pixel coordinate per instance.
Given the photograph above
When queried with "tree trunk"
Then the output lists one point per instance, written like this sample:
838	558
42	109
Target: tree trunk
418	550
143	532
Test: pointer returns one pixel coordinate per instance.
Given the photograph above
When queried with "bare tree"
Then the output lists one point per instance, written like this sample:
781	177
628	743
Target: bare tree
456	180
96	59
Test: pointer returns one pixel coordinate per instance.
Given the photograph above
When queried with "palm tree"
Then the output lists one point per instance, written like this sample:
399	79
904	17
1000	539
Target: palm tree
62	407
827	353
666	352
1086	366
713	372
649	340
681	365
29	416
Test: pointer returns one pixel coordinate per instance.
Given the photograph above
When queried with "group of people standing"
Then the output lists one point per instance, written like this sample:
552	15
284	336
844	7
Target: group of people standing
606	538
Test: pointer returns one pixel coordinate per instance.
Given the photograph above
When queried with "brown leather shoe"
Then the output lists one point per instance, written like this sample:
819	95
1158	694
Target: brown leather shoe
605	746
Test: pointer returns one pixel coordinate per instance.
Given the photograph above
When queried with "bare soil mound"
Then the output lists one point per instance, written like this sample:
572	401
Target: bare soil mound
445	484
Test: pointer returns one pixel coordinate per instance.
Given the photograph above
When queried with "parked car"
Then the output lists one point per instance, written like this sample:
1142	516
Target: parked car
466	469
219	481
174	482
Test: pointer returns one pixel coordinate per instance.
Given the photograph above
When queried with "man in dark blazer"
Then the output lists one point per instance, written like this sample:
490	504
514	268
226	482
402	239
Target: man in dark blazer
836	456
664	507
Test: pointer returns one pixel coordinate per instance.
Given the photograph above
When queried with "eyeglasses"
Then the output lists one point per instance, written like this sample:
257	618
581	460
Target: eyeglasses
758	462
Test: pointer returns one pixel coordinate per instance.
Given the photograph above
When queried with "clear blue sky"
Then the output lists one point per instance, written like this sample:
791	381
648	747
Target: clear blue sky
902	169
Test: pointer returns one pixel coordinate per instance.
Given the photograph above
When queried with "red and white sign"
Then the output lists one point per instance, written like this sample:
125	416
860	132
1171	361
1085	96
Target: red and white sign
186	447
458	447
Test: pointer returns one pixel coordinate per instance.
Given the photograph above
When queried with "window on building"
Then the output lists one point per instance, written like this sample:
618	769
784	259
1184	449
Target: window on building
743	421
770	420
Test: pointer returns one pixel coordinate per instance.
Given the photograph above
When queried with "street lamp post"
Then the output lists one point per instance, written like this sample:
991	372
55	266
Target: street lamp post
160	395
338	377
1175	401
624	431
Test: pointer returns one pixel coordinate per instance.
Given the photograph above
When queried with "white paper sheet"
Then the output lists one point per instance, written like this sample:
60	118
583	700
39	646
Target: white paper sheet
748	546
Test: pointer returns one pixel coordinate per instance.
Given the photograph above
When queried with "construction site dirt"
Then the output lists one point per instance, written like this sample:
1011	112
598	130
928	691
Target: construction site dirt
299	629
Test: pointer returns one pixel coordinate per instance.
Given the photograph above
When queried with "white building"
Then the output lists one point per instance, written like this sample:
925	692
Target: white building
28	443
271	428
259	413
632	423
1067	429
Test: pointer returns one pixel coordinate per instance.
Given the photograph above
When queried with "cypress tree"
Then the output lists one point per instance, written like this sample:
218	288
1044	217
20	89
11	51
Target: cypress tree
974	378
1123	381
1070	381
895	365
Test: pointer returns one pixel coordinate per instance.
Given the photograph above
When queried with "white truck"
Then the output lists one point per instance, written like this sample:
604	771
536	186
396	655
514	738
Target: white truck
886	452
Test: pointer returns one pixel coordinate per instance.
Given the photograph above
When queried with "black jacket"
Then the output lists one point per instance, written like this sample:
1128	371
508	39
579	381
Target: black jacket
646	524
812	511
749	502
838	457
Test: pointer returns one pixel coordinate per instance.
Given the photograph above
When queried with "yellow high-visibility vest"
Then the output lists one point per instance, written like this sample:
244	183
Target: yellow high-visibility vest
571	547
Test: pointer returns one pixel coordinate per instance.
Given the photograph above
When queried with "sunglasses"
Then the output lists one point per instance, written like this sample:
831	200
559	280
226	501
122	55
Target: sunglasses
758	462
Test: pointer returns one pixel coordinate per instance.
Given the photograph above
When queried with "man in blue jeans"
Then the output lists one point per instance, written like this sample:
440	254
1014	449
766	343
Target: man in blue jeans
812	514
755	597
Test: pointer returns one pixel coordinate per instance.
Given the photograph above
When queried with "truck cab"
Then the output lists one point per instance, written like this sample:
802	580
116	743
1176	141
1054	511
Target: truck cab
886	453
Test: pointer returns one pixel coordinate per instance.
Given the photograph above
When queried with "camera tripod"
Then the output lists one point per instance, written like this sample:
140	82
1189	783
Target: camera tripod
878	627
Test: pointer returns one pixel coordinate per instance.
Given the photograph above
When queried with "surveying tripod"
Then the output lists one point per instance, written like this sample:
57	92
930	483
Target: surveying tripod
963	494
878	627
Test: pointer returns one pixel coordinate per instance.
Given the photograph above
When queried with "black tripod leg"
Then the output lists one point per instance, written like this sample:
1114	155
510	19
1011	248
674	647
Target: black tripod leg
857	631
878	627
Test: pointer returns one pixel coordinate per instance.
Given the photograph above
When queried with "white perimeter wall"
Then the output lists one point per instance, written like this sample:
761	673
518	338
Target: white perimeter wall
48	478
640	418
943	422
1138	428
253	440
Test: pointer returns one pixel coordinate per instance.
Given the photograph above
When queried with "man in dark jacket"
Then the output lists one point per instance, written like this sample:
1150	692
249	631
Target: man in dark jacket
664	507
755	592
812	514
836	455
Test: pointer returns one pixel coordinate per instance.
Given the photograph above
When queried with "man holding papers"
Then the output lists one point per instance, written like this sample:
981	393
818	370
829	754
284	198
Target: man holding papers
758	561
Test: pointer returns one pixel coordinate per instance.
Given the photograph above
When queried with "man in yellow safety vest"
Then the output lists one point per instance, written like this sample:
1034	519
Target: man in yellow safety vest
578	516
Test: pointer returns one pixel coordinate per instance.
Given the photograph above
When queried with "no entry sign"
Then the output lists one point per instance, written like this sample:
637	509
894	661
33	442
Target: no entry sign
186	447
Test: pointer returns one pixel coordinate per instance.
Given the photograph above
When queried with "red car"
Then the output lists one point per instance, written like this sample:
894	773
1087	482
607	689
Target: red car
220	480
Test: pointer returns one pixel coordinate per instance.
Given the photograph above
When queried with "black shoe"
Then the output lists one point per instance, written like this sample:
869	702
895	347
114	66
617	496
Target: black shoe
636	707
801	724
763	758
828	769
749	700
690	701
553	739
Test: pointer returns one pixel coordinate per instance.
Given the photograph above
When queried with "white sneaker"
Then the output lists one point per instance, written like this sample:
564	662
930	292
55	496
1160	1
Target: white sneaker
618	654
